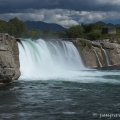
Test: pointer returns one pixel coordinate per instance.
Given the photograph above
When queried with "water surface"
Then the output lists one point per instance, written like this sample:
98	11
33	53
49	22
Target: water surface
62	99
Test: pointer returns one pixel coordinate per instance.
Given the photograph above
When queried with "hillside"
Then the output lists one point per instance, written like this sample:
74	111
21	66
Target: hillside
43	26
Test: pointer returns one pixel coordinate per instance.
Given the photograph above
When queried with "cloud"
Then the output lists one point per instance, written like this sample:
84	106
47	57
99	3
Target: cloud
63	12
58	16
15	6
63	17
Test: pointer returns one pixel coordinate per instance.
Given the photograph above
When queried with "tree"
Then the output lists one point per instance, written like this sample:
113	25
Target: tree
75	32
47	34
90	27
94	35
3	26
12	29
61	34
19	25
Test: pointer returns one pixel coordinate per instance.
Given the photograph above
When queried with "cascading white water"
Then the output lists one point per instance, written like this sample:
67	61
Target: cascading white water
97	57
40	59
106	56
56	60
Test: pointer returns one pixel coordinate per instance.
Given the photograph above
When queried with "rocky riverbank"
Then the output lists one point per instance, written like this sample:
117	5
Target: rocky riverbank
9	59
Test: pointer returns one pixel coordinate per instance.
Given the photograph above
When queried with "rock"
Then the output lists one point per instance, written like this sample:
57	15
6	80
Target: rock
3	48
89	57
101	56
81	41
108	45
113	67
114	54
9	59
85	49
116	48
96	44
118	40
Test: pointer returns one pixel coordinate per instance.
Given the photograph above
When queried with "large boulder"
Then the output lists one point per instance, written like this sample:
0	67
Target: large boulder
9	58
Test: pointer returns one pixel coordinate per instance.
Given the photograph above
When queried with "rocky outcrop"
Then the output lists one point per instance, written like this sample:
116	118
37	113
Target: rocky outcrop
9	59
85	47
88	57
87	53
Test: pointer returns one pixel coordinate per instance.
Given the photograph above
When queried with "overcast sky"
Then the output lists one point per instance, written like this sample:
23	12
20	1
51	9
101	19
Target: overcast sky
63	12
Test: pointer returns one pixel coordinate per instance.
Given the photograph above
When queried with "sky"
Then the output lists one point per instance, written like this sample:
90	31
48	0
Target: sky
64	12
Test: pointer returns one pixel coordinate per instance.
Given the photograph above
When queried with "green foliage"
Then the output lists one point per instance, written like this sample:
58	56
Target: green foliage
47	34
33	33
61	34
92	31
94	35
14	27
86	43
90	27
11	29
20	26
3	26
75	32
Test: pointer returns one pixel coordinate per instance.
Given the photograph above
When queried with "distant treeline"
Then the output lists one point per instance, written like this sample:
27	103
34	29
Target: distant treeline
93	31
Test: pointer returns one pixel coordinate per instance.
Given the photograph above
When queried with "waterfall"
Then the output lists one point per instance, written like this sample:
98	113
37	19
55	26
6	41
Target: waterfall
106	56
97	57
41	58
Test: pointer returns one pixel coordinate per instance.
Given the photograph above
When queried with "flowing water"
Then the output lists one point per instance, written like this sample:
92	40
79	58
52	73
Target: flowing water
45	59
97	57
106	56
54	85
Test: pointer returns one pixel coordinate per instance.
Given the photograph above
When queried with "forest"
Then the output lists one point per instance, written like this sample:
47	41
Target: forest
91	31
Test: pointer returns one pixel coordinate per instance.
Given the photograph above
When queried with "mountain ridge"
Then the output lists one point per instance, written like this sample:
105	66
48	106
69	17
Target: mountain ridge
44	26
